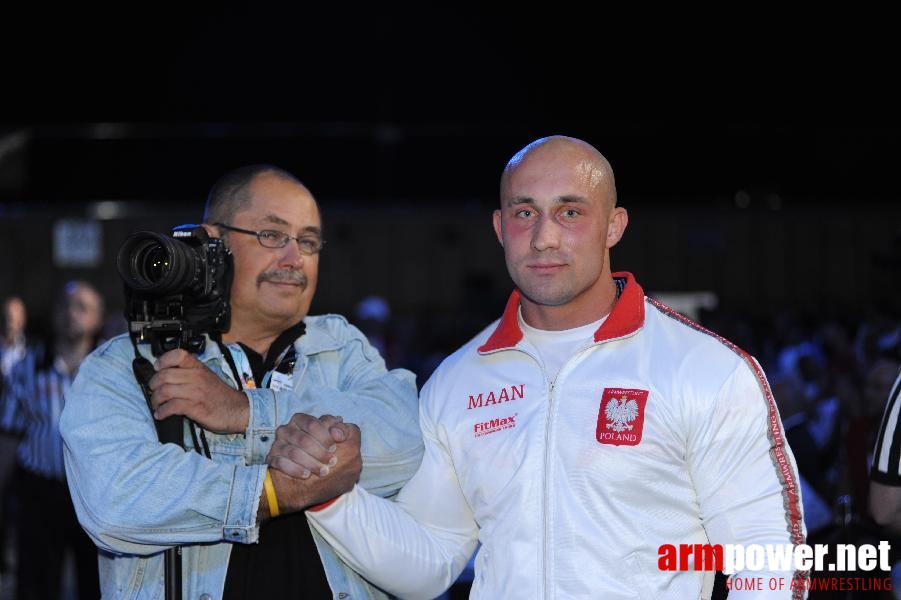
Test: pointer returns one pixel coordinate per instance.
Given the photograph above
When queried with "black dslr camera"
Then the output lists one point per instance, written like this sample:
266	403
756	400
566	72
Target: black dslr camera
176	288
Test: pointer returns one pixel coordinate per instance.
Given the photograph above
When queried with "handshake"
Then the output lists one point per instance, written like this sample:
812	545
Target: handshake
312	460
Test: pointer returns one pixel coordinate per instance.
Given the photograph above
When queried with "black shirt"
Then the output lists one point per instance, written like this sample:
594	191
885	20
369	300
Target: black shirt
285	562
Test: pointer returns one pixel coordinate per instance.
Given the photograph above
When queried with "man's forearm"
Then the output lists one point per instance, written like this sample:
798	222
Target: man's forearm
388	546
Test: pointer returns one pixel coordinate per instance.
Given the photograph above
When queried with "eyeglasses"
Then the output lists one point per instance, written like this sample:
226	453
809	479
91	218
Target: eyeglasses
270	238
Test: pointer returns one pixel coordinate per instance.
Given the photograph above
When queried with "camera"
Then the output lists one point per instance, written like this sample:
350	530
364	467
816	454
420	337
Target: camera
176	287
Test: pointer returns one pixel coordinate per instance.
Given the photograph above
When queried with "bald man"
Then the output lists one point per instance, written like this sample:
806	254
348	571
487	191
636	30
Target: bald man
583	433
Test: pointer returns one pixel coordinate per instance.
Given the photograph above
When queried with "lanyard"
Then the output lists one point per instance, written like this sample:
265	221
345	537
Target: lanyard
279	378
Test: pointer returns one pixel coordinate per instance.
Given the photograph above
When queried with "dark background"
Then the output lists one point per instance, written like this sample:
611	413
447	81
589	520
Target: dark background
757	153
389	104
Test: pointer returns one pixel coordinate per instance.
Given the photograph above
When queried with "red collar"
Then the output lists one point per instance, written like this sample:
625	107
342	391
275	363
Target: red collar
627	316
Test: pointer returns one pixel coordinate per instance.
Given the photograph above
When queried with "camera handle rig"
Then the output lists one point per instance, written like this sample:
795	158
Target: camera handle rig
176	294
171	429
166	325
164	335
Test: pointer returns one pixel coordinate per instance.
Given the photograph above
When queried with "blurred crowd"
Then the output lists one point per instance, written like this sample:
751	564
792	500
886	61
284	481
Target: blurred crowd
830	379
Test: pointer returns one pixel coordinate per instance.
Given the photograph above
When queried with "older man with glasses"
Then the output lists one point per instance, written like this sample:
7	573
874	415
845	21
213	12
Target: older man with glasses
240	527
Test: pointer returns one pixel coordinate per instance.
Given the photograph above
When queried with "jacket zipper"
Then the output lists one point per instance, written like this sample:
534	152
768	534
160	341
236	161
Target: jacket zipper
546	545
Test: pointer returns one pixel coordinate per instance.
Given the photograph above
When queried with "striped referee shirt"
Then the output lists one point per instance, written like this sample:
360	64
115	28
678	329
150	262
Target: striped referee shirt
32	403
886	467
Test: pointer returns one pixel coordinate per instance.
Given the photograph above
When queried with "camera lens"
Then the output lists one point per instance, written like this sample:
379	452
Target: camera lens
153	263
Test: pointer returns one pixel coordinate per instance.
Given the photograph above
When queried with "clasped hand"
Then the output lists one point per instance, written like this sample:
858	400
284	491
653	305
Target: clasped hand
326	447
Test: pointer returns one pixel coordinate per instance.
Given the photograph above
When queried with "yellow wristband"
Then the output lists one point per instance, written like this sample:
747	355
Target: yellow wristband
270	494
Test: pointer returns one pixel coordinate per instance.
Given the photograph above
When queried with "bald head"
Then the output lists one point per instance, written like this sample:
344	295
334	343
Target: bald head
557	221
559	156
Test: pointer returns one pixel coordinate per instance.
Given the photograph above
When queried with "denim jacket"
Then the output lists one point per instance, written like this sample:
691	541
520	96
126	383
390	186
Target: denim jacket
137	497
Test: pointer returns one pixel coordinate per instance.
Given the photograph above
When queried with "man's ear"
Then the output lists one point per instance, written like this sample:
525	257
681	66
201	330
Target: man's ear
619	219
496	221
212	230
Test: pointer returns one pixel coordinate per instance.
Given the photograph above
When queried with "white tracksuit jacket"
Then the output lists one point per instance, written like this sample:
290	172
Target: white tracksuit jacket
657	432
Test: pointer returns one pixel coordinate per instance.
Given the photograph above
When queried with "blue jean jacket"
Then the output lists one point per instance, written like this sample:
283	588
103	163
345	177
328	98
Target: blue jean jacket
137	497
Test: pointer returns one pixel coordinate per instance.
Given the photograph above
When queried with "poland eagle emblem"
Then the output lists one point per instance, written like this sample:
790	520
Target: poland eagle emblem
621	416
620	413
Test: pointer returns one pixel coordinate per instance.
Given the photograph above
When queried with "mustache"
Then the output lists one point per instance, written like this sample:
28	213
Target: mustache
283	276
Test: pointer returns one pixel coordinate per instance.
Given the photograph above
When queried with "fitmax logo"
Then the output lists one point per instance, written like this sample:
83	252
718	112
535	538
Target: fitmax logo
494	425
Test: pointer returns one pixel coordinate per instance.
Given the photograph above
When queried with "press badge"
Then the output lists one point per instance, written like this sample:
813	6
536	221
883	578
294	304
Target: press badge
280	381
